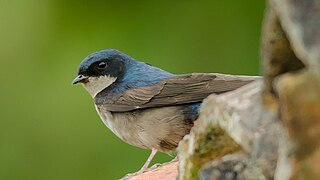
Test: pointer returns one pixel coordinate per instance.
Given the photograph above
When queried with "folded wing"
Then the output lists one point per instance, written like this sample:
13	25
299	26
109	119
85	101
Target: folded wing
180	89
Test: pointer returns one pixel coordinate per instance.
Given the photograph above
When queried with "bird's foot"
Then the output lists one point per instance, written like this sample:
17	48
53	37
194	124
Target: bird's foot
146	164
154	166
145	169
141	171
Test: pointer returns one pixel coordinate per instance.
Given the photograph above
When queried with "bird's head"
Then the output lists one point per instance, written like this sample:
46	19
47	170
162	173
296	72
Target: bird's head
100	69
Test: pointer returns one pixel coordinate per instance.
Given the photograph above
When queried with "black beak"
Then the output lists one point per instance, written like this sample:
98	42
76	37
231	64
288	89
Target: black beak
80	79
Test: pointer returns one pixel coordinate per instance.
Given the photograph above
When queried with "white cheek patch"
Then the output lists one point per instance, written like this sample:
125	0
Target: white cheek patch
97	84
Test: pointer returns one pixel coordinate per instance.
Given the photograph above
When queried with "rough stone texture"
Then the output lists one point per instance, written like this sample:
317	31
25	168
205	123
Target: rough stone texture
301	116
301	22
297	93
207	141
242	117
229	167
278	57
242	114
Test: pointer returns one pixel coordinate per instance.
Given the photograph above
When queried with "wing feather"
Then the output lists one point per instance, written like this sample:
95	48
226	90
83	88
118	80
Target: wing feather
181	89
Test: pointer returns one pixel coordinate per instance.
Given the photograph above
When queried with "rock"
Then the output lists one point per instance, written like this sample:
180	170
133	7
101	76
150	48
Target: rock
230	167
300	20
244	125
296	93
300	104
278	57
167	171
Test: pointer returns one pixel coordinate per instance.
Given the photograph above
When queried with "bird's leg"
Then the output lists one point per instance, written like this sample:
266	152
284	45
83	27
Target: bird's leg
146	164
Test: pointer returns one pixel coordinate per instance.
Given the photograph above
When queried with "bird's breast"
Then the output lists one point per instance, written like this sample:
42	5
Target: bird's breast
148	128
108	120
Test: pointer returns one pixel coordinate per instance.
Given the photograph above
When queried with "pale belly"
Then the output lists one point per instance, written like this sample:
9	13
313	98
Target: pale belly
149	128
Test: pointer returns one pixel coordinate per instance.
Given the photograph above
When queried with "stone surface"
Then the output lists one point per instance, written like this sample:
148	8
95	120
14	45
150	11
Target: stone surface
300	20
207	141
230	167
241	116
277	55
300	104
167	171
296	93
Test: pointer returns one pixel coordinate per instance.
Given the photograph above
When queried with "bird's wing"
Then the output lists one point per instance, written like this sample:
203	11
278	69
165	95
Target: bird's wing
181	89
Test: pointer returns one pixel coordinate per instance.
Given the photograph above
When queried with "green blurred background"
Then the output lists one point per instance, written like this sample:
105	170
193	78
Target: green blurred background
49	129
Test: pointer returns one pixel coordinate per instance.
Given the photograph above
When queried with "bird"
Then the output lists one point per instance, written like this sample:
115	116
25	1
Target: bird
146	106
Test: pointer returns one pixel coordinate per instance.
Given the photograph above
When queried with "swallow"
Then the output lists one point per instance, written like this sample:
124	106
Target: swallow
146	106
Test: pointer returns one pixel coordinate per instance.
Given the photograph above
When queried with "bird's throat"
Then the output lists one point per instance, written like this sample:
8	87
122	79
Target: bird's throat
97	84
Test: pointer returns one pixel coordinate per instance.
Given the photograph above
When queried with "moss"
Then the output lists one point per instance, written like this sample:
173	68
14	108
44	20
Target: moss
212	144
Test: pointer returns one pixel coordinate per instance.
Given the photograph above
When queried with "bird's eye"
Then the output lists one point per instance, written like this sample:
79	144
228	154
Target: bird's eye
102	65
